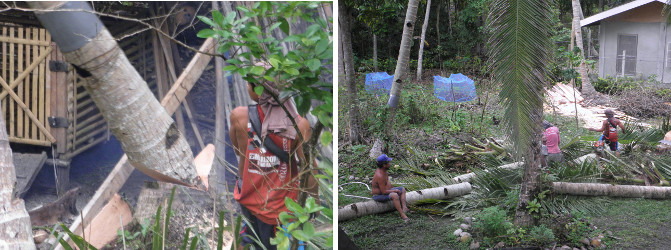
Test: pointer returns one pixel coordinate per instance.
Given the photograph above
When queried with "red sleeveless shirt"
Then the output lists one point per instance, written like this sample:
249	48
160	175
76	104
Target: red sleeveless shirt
265	179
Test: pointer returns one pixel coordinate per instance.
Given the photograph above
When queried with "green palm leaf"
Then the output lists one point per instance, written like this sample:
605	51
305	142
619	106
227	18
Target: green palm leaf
519	49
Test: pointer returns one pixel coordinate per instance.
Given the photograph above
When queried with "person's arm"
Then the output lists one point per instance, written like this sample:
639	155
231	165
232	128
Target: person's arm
604	126
236	116
621	126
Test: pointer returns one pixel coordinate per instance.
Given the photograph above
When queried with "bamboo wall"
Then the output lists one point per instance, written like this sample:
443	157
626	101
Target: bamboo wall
36	92
25	93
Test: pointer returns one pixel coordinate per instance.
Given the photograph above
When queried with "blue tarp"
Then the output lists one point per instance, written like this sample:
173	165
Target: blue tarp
379	82
456	88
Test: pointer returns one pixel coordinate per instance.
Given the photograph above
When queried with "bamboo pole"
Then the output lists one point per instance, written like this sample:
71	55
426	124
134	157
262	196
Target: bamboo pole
24	74
4	102
19	90
34	89
373	207
11	121
5	39
30	141
30	114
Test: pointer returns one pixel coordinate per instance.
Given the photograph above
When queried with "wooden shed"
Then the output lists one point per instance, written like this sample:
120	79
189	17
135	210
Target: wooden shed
43	100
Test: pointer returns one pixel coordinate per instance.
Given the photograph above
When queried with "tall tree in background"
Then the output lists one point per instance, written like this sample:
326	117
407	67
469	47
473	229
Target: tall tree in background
587	88
400	73
345	21
421	41
519	50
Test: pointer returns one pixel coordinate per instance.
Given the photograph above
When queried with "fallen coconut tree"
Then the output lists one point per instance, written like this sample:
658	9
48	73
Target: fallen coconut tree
373	207
597	189
515	165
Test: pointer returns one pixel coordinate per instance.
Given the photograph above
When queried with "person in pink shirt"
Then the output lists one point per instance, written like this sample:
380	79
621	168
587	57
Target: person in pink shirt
550	150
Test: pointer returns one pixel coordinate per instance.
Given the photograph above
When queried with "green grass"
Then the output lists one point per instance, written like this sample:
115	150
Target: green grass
388	231
636	223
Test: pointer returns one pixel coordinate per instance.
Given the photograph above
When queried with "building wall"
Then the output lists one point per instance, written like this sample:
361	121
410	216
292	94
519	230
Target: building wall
649	53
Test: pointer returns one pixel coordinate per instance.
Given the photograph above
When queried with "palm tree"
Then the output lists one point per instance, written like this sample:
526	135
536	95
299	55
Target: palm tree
147	133
519	50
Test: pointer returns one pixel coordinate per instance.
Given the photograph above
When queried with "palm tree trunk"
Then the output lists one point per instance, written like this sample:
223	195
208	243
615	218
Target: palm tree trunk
15	229
519	49
421	41
148	135
374	52
373	207
530	184
587	88
345	21
597	189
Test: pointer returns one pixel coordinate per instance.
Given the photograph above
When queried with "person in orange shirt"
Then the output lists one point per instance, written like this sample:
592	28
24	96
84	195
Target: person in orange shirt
269	151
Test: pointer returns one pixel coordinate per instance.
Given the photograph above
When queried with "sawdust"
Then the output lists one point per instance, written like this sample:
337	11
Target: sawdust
562	99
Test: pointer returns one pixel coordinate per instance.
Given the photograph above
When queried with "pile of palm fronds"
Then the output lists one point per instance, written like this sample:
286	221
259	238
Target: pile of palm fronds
458	157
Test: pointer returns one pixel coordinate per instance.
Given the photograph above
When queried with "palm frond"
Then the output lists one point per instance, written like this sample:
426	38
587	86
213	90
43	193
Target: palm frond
563	204
519	50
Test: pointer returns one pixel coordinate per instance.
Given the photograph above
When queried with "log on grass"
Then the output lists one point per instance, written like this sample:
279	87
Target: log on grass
515	165
373	207
597	189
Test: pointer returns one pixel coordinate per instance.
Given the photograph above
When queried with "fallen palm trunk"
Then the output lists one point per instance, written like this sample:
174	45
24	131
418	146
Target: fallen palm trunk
373	207
515	165
147	133
596	189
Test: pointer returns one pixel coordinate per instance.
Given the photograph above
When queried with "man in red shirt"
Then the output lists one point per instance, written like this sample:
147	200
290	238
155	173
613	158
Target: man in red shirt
609	129
551	151
267	175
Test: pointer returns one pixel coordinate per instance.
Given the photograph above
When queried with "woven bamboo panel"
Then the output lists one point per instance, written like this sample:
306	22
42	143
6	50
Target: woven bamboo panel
25	53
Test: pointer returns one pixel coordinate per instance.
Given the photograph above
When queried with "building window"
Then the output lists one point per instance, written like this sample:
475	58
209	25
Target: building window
626	55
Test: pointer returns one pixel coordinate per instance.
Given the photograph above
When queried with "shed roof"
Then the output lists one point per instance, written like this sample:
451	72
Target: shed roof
596	19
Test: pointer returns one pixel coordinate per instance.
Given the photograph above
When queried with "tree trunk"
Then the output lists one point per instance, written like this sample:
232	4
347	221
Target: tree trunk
440	60
421	41
530	181
15	229
450	16
597	189
373	207
345	21
402	64
374	52
147	134
221	124
516	165
587	88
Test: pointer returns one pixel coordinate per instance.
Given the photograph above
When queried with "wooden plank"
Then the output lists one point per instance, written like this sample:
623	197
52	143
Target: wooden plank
26	41
58	103
93	118
30	141
107	189
103	228
188	78
27	167
45	84
19	92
